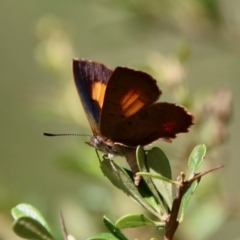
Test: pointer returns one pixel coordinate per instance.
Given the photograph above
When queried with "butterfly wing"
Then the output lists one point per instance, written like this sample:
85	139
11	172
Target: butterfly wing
130	115
159	120
127	92
91	79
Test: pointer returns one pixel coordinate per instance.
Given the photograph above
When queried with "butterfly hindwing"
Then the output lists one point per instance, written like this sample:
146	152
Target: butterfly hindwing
91	79
159	120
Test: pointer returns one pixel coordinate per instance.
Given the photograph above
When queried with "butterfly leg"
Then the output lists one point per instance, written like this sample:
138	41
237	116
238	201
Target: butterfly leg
130	155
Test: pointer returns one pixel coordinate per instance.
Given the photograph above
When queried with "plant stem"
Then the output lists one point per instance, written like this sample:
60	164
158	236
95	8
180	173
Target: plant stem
172	222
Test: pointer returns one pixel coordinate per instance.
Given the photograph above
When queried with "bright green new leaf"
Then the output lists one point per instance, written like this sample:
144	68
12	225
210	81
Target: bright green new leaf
134	220
195	159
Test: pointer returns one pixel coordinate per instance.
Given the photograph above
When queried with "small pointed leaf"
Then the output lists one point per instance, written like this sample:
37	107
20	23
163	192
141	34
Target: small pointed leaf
134	220
196	157
188	194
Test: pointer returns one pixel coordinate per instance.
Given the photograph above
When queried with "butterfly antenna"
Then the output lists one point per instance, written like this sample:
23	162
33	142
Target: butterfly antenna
65	134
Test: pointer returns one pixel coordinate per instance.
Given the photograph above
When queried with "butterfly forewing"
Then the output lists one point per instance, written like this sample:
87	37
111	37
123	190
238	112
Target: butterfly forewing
127	92
91	79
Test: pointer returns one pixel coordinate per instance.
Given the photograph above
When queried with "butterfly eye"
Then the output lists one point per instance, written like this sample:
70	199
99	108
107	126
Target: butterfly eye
98	143
95	141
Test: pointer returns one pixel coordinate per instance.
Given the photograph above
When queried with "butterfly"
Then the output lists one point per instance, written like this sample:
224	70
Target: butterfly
122	109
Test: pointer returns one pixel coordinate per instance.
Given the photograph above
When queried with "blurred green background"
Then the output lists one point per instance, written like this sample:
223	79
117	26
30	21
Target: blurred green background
192	47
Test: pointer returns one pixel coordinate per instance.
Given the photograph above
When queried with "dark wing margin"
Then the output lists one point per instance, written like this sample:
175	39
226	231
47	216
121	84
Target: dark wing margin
91	79
160	120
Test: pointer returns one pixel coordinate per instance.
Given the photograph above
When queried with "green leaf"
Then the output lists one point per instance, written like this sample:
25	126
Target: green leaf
187	195
196	158
26	210
119	178
113	229
158	163
30	228
103	236
134	220
156	202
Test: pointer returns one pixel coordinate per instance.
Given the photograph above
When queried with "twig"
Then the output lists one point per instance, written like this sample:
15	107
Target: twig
172	222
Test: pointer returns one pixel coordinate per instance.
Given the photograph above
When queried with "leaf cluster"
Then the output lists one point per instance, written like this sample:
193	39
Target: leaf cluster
165	199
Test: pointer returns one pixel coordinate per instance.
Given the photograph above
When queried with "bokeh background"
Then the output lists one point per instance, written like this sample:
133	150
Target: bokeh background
191	47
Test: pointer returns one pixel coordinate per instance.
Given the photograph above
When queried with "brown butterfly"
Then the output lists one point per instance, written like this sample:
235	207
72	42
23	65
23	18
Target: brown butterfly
122	110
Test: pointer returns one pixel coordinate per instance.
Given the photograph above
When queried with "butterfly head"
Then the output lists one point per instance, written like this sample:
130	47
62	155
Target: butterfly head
99	144
108	147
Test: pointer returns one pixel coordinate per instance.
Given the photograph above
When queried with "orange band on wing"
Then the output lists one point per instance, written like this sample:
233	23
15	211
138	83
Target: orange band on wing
131	103
98	92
